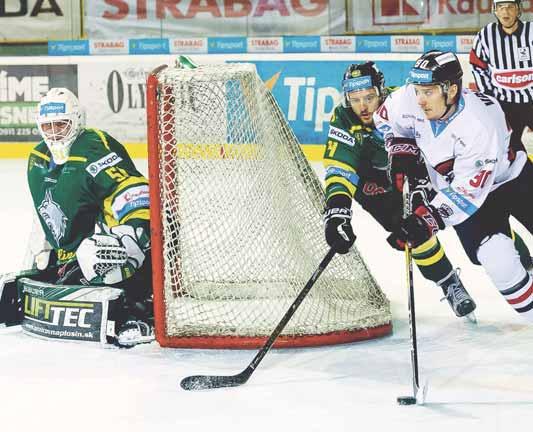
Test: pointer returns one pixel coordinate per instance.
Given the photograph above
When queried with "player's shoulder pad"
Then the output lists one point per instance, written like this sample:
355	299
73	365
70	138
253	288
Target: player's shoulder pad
344	118
39	156
41	150
336	112
97	149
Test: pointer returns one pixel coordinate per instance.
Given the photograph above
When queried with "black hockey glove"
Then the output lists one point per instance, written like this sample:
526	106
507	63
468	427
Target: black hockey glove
421	225
404	160
397	240
337	220
10	302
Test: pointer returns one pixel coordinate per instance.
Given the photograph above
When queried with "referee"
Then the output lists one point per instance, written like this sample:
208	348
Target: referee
502	64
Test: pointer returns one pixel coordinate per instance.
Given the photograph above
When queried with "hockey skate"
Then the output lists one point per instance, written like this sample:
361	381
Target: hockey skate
133	333
455	293
137	325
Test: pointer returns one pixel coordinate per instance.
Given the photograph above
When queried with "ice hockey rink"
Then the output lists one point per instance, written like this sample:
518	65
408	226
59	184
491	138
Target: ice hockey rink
480	376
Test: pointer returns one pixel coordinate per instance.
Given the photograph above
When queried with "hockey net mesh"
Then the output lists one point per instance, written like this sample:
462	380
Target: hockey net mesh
241	213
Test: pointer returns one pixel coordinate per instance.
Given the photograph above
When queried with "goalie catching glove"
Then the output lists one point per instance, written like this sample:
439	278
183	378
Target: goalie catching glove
110	258
337	220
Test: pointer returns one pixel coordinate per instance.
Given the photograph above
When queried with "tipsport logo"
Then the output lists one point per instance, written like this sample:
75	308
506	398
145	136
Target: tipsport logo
355	84
420	76
52	108
309	102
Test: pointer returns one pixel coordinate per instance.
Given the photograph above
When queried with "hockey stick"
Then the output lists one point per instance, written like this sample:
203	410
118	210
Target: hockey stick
410	400
203	382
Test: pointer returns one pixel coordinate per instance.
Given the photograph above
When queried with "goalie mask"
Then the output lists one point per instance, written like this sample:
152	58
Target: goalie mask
60	120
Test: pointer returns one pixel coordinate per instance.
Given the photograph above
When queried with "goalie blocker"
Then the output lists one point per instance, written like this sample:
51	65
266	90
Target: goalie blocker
67	312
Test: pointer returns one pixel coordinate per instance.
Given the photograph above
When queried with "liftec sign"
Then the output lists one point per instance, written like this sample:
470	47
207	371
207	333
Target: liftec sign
198	18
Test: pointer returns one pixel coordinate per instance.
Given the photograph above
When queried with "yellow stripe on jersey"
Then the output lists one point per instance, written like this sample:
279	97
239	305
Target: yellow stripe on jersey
334	163
41	155
108	211
102	137
346	183
424	247
427	246
430	260
340	193
137	214
77	159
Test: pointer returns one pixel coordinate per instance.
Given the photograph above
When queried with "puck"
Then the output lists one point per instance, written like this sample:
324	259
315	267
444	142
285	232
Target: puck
406	400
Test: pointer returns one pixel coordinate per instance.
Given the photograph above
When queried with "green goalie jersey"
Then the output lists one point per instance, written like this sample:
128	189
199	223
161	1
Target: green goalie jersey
354	157
98	183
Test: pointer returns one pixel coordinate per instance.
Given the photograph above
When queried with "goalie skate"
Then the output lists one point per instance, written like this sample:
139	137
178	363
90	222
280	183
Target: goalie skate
133	333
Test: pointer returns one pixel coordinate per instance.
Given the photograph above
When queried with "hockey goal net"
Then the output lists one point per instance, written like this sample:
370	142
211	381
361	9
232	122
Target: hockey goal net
236	214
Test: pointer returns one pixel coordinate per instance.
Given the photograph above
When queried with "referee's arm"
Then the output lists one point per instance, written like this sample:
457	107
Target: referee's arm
480	68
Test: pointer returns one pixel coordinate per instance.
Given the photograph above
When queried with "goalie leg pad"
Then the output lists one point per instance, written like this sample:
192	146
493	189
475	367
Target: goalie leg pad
73	312
10	300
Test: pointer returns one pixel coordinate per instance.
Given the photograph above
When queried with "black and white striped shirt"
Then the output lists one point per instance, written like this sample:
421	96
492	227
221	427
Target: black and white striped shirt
502	64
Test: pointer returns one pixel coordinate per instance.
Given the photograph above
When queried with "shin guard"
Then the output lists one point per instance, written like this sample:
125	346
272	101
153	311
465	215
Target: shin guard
502	263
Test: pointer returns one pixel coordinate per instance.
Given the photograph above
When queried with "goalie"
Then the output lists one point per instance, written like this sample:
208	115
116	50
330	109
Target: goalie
93	206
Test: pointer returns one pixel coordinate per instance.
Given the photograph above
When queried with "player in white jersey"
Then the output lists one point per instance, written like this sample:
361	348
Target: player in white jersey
463	140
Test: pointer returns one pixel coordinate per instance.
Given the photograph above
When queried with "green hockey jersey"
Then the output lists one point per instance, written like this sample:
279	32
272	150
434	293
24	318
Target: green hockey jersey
354	154
98	183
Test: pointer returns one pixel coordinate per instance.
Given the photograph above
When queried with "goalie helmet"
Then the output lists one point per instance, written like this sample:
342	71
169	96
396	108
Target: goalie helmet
362	76
60	120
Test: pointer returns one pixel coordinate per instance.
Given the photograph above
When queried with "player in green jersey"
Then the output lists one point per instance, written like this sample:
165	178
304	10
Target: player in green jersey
93	206
356	163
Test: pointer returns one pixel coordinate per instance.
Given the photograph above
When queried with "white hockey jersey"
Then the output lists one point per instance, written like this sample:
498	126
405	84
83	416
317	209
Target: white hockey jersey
467	155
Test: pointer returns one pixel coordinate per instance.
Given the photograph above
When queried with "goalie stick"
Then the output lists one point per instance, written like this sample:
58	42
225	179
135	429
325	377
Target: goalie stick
203	382
418	397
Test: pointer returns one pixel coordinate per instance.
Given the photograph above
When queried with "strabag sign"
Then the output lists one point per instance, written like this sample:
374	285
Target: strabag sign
192	18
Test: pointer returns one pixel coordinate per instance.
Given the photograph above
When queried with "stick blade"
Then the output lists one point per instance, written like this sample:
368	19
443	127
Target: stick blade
206	382
406	400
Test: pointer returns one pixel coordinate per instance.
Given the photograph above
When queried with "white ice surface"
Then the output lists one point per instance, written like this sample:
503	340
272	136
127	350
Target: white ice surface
480	377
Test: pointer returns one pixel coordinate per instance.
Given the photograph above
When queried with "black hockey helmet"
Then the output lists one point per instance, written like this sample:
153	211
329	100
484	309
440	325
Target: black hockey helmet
436	67
362	76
